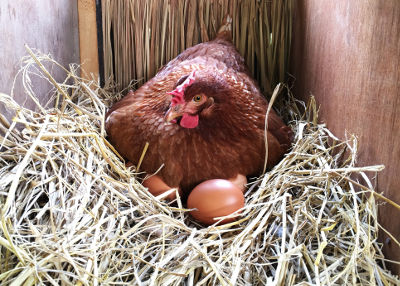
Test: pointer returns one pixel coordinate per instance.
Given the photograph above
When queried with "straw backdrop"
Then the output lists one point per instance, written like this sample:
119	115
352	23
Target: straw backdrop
141	36
73	214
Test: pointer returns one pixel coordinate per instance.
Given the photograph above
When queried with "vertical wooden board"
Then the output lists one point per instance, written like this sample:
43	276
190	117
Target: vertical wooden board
88	48
48	26
347	54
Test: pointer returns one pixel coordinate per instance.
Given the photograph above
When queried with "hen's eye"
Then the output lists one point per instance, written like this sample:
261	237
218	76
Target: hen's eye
197	98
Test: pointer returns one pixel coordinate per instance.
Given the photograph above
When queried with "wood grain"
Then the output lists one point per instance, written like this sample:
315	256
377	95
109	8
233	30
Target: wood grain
347	54
88	39
48	26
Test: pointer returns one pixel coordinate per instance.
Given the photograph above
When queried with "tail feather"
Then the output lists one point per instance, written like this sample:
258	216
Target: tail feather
225	30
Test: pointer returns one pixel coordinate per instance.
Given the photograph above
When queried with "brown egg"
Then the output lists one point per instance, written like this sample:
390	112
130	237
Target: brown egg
215	198
157	187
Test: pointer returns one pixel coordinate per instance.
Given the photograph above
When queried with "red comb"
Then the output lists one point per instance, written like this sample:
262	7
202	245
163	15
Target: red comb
178	92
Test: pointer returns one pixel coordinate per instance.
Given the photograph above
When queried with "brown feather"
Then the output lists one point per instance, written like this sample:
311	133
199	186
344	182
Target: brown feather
229	139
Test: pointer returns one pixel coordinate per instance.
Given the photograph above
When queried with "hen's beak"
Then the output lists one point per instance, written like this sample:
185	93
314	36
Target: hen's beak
173	113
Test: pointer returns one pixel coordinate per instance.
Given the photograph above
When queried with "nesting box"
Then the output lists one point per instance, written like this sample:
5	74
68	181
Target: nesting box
73	212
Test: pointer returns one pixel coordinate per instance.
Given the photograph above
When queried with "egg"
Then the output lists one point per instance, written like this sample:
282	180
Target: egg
157	186
215	198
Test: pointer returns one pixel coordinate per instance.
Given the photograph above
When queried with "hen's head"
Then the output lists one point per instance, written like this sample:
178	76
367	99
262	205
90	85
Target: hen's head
194	99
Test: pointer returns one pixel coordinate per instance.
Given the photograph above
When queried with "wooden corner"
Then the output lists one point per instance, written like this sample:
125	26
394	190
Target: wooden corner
88	45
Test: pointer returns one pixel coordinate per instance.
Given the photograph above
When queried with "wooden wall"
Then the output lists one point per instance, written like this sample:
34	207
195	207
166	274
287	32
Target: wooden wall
347	54
49	26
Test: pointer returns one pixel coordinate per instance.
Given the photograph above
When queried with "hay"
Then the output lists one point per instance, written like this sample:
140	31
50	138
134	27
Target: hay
72	213
141	36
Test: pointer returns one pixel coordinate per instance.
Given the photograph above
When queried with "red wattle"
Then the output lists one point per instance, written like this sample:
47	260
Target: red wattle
189	121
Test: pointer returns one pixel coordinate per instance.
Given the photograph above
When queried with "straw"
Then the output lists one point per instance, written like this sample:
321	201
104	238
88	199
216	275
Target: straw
73	213
141	36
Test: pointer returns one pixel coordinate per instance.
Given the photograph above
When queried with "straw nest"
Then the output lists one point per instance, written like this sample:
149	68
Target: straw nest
72	213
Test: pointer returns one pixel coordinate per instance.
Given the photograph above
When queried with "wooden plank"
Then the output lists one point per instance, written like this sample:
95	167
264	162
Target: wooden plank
48	26
89	56
347	54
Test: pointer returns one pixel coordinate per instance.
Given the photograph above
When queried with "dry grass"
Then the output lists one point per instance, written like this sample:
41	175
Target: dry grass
141	36
72	213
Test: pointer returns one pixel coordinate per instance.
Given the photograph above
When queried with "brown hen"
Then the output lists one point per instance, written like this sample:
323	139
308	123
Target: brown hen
203	117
